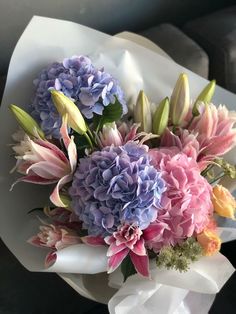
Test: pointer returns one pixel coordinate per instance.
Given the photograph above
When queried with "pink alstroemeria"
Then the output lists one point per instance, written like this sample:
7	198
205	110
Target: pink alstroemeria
54	237
128	240
214	128
44	163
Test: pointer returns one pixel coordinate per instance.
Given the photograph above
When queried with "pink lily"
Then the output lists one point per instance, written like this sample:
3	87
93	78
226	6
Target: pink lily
214	128
44	163
130	240
109	135
55	237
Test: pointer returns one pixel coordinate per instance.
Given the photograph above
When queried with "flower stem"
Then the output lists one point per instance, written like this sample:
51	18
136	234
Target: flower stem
90	133
208	168
89	140
220	176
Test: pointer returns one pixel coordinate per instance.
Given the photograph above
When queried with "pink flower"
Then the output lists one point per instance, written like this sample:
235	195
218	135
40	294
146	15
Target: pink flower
55	237
214	128
187	143
44	163
63	217
110	135
127	240
186	204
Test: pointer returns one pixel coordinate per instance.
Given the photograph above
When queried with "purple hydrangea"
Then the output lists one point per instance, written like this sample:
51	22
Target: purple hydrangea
90	88
114	186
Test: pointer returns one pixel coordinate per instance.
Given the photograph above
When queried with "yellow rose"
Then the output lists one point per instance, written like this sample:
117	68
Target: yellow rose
223	202
209	241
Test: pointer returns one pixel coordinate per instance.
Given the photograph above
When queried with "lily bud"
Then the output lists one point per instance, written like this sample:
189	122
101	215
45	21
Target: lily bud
205	96
142	112
110	135
180	100
65	105
28	124
161	115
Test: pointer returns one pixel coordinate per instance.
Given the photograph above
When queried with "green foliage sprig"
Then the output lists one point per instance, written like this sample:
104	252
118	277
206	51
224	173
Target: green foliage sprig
180	256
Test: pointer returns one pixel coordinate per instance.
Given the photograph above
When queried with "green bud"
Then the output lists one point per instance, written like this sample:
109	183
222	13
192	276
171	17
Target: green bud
161	115
180	100
66	106
142	112
28	124
205	96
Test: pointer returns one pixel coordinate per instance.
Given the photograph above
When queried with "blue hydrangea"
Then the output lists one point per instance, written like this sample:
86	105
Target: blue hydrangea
114	186
91	89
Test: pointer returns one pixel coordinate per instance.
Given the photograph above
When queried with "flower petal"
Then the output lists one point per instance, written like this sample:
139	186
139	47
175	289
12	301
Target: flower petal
114	249
50	259
152	231
55	196
115	260
47	170
141	263
95	241
139	248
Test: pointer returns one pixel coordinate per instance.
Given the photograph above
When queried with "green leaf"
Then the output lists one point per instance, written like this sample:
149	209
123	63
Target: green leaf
112	112
127	268
81	144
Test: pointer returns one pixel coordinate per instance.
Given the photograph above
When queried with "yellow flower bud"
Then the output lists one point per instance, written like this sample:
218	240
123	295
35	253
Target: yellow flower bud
160	118
205	96
209	241
28	124
180	100
65	105
142	112
223	202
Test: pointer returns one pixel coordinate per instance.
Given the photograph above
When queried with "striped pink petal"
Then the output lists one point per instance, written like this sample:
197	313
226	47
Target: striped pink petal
50	259
141	264
114	249
152	231
95	241
139	248
55	196
47	170
115	260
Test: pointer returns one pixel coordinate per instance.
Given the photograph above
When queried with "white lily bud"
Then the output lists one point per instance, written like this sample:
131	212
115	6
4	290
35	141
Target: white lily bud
161	116
180	100
142	112
205	96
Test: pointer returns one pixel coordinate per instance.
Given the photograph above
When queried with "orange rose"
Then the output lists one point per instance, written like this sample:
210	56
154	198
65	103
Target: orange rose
223	202
209	241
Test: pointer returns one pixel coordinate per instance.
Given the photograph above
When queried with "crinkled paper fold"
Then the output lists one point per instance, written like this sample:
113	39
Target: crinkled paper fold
44	41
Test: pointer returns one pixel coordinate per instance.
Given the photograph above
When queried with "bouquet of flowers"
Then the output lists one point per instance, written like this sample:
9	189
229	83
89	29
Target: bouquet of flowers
139	185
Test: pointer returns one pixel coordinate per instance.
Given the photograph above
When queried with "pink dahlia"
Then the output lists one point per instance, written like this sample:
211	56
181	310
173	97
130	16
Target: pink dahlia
186	204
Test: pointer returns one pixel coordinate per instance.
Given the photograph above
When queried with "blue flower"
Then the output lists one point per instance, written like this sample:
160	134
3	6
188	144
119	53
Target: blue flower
91	89
99	91
114	186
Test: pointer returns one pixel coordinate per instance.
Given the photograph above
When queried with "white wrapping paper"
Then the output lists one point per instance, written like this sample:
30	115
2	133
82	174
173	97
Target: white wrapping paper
44	41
